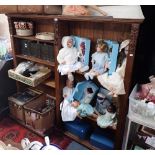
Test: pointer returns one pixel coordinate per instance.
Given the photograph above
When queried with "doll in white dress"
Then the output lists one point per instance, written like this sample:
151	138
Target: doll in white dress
68	57
99	60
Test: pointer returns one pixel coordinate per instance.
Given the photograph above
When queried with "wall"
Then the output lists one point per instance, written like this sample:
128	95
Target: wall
4	27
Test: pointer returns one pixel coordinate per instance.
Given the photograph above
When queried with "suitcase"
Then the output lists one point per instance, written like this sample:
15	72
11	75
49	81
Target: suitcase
102	139
8	8
78	128
53	9
36	9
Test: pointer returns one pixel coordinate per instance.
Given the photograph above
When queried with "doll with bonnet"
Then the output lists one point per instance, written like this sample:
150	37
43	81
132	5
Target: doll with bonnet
99	60
115	82
68	57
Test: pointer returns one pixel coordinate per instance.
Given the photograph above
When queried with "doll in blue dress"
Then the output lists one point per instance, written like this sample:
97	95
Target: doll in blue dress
99	60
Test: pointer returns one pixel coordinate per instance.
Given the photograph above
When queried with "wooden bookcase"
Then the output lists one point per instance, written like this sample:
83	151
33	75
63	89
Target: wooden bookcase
89	27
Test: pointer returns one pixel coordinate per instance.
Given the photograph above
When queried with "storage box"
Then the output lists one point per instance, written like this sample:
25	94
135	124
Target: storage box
141	110
30	9
78	128
18	100
25	46
35	49
8	8
40	113
47	52
28	80
53	9
102	139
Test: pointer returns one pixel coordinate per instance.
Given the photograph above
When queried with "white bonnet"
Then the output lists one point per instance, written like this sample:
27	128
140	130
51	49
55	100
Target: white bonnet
65	39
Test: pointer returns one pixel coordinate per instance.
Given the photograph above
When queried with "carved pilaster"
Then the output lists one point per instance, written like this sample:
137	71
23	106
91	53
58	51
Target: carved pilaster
134	35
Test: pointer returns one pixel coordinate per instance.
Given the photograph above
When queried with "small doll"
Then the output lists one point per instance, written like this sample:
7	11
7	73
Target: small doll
68	57
85	109
101	104
99	60
108	118
68	89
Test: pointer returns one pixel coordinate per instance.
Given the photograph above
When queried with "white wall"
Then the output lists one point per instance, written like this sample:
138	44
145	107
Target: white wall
4	27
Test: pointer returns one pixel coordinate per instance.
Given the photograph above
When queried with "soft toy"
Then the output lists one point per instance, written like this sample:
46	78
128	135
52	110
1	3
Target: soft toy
27	145
36	145
68	57
99	60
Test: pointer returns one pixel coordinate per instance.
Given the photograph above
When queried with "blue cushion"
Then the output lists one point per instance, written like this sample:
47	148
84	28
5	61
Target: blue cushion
102	139
78	128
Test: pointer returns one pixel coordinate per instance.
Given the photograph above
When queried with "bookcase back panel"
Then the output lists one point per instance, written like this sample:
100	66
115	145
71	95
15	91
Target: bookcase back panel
94	31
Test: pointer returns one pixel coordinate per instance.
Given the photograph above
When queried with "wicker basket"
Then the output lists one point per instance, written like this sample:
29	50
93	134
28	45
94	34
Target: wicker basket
17	101
41	120
27	80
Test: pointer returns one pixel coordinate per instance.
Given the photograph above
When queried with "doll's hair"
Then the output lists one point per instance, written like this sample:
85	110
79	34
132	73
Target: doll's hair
111	108
102	44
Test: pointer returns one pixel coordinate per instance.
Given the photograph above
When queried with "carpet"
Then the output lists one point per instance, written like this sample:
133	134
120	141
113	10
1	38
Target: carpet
12	131
75	146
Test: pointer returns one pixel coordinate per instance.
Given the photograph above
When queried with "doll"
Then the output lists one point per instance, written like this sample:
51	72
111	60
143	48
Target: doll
115	82
68	57
101	104
68	89
99	60
108	118
85	109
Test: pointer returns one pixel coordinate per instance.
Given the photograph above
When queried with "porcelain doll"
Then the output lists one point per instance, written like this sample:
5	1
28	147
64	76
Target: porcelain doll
99	60
68	89
68	57
107	119
85	109
68	110
115	82
101	104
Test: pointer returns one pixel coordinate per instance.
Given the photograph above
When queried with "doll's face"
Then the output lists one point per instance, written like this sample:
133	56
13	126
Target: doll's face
98	48
75	104
70	43
69	84
101	47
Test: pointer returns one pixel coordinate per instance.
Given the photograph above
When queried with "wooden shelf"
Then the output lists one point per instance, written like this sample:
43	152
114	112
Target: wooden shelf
31	58
50	83
34	39
108	19
83	142
39	133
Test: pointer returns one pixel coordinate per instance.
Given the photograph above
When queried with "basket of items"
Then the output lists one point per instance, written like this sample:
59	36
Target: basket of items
24	28
142	102
18	100
30	73
40	113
